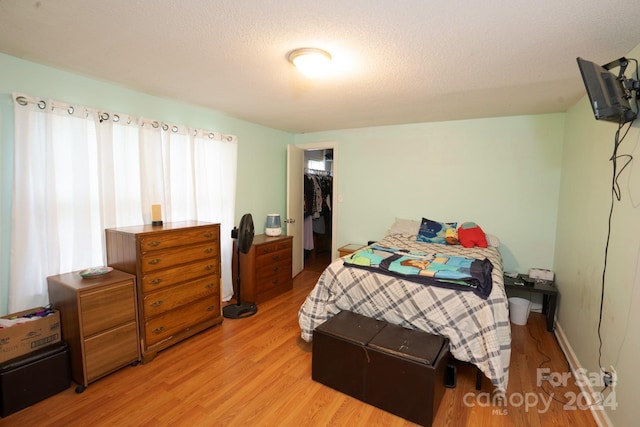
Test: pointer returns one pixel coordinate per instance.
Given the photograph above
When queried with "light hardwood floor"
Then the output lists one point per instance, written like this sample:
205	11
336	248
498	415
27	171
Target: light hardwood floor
257	371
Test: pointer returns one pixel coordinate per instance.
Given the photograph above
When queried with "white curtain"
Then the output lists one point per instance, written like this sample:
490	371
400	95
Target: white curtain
78	171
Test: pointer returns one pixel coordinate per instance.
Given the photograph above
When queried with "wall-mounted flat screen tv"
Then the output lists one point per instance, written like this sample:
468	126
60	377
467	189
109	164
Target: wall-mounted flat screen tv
606	93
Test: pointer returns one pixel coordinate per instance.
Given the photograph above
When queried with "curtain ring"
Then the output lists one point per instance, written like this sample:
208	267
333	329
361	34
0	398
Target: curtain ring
103	117
70	110
155	124
165	126
212	135
229	138
42	105
174	129
21	100
116	118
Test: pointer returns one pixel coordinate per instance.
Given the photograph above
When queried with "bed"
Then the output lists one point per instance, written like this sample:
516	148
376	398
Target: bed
478	327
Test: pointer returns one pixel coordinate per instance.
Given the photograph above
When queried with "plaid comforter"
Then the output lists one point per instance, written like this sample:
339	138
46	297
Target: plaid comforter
478	329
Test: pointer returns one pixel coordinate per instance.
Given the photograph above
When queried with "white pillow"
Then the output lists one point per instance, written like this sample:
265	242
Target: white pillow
405	226
492	240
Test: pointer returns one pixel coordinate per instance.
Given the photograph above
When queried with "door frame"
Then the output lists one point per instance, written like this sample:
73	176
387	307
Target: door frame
329	145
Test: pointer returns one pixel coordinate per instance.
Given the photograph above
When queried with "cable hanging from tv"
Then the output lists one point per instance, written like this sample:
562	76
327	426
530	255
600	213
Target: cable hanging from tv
609	95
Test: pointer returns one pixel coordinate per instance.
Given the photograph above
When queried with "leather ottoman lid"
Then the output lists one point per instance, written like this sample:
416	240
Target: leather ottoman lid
412	344
352	327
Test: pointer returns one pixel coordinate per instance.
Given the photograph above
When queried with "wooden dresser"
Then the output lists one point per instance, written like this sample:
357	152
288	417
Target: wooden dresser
178	274
99	322
265	271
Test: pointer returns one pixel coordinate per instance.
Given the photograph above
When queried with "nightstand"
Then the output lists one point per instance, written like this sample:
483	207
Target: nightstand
549	294
349	249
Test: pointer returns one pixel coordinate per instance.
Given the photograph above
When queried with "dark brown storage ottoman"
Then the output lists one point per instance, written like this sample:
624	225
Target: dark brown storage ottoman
33	377
339	357
406	373
396	369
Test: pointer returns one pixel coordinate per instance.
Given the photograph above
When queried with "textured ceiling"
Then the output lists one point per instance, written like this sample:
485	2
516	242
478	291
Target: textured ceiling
401	61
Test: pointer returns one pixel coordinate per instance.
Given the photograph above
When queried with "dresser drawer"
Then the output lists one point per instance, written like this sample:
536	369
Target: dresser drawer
276	268
111	350
155	260
182	273
263	286
273	247
107	307
171	239
167	299
269	258
180	319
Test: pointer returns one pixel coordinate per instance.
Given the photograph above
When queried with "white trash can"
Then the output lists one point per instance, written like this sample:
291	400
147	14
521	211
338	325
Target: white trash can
519	309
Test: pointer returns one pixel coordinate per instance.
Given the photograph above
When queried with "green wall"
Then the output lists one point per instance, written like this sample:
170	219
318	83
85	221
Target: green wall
261	150
583	215
501	173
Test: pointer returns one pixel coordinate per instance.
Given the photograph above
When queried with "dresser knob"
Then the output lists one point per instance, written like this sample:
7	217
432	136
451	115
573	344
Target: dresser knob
208	250
276	257
155	281
158	330
276	268
209	267
154	261
210	285
154	243
211	308
156	303
207	235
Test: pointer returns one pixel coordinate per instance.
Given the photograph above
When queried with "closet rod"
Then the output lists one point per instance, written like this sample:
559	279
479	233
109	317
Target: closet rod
318	172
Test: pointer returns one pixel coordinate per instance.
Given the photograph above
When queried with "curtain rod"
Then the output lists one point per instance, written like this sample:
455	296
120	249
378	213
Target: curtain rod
103	116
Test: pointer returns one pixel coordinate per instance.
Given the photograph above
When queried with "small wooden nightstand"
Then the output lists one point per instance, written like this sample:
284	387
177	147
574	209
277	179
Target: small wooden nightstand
349	249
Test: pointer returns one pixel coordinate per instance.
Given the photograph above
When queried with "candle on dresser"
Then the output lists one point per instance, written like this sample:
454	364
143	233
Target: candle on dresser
156	215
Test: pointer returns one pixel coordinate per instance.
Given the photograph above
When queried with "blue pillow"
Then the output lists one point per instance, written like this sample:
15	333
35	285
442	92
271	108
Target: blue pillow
434	231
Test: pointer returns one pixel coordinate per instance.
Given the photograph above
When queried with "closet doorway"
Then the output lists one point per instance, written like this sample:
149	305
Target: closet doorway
295	218
318	208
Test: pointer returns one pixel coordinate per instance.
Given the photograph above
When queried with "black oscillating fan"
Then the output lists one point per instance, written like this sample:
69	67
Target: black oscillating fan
244	238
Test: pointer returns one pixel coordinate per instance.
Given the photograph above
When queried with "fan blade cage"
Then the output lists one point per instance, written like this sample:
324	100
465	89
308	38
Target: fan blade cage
245	233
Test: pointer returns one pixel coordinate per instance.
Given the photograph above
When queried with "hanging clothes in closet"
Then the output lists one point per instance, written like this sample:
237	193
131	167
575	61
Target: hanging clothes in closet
318	186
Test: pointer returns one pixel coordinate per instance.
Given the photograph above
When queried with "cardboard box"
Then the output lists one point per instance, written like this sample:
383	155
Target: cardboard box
26	337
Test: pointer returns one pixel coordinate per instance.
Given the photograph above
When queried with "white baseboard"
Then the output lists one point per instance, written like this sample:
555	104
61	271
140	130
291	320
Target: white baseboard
599	415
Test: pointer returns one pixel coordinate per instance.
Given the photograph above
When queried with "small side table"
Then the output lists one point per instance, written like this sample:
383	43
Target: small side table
549	294
349	249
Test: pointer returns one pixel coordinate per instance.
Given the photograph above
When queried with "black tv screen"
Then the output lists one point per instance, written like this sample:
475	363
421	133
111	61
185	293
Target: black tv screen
606	93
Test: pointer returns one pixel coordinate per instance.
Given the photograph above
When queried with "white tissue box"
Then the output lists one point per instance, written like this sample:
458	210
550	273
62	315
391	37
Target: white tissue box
541	274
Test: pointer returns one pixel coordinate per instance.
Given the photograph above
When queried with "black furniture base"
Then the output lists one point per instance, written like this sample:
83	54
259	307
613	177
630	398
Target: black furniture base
33	377
239	311
399	370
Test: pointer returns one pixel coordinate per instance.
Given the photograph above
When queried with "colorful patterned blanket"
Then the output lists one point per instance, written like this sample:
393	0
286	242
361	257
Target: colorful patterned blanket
448	271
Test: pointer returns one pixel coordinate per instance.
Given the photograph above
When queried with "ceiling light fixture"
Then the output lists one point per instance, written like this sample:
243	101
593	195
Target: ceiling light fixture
310	61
